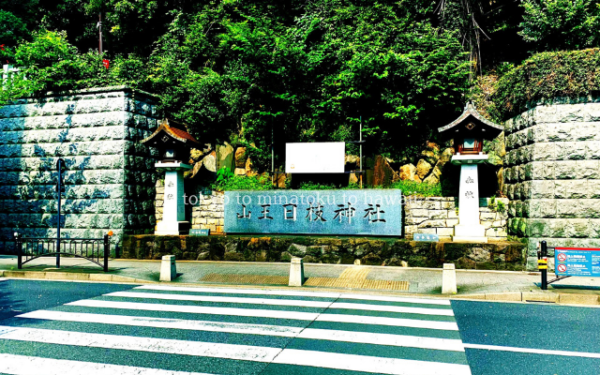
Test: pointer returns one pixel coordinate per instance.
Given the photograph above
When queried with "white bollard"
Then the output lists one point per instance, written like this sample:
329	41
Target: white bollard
449	279
296	272
168	271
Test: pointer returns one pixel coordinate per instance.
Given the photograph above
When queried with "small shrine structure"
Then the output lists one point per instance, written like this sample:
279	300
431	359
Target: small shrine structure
468	132
173	143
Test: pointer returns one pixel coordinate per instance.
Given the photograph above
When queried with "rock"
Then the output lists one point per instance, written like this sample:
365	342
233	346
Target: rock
280	180
196	154
432	146
354	160
225	154
353	179
407	172
383	174
434	176
248	166
423	168
196	168
430	156
240	171
446	156
500	176
240	157
403	263
210	162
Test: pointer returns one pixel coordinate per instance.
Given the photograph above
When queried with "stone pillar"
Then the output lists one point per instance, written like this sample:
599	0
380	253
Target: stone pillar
168	269
173	222
296	272
449	279
469	229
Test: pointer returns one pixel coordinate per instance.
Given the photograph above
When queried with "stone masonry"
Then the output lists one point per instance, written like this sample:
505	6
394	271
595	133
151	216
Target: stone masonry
109	181
437	215
209	211
553	175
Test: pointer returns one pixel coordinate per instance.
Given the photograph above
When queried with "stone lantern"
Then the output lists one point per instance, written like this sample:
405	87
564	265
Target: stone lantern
468	132
173	143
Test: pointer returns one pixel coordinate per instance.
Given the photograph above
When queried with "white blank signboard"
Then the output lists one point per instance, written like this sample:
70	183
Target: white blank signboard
316	157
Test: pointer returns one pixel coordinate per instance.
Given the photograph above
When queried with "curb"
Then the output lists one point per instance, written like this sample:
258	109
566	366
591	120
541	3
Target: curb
544	297
68	276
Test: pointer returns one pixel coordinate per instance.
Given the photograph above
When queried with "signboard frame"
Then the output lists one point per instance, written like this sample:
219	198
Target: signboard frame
578	261
315	157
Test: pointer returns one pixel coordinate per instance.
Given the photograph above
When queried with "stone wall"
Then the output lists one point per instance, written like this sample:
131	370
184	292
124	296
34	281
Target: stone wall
109	181
437	215
209	212
553	175
386	252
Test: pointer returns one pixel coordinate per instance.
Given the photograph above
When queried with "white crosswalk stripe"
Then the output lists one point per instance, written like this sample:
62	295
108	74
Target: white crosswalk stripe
161	330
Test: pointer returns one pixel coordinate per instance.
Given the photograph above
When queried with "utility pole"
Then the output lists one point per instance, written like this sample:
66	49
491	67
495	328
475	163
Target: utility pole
360	147
100	33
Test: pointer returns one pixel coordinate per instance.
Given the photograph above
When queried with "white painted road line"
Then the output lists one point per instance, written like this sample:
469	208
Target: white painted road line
277	314
140	321
146	344
532	351
238	291
425	301
256	301
25	365
351	362
383	339
374	320
396	309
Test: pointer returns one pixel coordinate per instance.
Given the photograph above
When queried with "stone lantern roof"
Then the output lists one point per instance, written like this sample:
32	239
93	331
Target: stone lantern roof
170	130
473	122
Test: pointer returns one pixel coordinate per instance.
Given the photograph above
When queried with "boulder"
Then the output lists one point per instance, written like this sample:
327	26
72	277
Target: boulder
500	176
434	176
353	179
280	180
407	172
353	160
196	168
430	156
423	168
383	174
225	154
249	171
446	156
432	146
210	162
240	157
240	171
196	154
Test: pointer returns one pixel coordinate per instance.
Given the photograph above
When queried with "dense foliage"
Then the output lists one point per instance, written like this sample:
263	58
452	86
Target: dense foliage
259	72
544	76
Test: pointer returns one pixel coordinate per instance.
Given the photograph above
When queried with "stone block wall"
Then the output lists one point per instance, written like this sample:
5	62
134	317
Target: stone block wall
439	215
553	175
208	212
109	178
322	249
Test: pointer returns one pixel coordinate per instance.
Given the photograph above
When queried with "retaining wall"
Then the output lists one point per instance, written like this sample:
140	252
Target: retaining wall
553	175
109	181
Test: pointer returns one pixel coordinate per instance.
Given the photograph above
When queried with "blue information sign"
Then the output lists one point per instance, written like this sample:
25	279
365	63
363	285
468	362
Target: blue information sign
334	212
569	261
426	237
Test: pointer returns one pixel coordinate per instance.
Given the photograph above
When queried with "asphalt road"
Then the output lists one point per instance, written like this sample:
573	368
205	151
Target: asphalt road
517	338
64	328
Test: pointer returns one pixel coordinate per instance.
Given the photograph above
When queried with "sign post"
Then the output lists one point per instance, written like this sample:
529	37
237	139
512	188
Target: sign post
569	261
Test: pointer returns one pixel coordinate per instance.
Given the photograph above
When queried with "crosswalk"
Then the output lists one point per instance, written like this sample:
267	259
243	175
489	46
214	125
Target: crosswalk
170	330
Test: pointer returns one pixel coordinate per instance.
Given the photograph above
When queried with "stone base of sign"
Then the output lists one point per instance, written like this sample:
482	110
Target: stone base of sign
169	228
469	233
332	250
168	269
296	272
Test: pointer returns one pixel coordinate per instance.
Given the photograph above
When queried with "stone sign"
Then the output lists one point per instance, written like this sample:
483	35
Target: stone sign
353	212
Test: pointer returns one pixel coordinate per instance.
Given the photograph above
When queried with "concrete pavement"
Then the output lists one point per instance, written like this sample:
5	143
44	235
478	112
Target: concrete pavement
502	285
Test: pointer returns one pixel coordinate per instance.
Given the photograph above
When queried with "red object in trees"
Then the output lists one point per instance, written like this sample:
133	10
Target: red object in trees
106	63
2	47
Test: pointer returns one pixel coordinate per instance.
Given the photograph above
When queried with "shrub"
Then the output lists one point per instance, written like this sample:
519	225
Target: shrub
416	188
226	180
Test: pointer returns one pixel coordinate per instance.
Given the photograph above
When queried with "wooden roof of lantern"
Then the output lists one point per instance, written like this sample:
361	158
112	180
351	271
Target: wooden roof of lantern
172	131
472	122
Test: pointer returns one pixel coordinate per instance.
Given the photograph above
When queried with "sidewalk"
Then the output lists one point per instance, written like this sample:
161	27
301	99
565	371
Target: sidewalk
501	285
